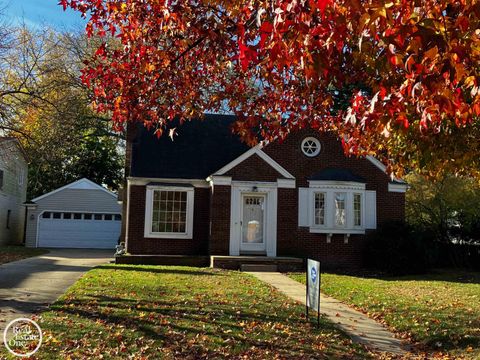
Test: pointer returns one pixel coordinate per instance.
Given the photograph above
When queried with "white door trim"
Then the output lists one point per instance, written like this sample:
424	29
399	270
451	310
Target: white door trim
258	248
270	225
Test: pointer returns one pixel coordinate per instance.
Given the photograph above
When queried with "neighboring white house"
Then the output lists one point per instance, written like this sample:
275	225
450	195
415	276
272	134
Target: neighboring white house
78	215
13	191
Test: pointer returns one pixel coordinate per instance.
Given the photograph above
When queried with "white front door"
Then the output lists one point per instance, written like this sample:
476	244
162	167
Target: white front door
253	224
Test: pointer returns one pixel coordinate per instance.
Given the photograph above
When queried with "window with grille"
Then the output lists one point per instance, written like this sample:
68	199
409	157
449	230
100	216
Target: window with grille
311	146
169	212
319	208
340	209
357	209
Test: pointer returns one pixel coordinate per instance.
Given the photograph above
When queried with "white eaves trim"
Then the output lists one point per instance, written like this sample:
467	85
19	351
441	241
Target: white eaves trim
83	184
216	180
377	163
380	166
140	181
400	188
286	183
336	184
255	151
220	180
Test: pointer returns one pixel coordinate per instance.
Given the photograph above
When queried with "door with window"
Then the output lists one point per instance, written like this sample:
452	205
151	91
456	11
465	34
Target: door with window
253	224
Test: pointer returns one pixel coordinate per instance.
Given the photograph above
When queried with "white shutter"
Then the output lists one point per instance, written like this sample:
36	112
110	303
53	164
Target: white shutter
303	207
370	209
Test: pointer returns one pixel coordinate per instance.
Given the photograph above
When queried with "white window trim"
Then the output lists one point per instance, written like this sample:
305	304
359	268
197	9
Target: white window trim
316	141
330	188
188	234
312	196
362	210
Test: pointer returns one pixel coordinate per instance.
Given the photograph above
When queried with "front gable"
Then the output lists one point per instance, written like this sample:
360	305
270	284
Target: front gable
254	165
254	169
81	195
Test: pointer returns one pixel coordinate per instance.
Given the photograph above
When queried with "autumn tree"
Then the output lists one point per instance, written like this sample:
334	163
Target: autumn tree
409	70
64	139
447	209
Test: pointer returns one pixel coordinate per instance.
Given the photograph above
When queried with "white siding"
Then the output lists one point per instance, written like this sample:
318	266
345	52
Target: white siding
13	192
74	200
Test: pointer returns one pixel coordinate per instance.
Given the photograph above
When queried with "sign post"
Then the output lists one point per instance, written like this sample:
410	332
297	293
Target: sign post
313	288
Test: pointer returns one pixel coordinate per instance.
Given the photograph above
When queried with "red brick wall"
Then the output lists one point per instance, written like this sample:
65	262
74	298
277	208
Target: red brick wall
130	135
211	234
220	220
138	244
295	241
292	240
254	168
299	242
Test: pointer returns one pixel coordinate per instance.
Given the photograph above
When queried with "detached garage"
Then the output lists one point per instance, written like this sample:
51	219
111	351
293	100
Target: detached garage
79	215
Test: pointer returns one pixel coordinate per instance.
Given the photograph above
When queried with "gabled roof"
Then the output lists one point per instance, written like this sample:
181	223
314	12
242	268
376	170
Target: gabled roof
83	184
201	148
257	150
337	174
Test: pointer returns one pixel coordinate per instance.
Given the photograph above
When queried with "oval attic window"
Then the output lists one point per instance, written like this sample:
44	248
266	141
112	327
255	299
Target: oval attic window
311	146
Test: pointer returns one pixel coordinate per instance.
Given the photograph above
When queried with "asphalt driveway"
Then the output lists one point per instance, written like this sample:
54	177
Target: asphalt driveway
30	285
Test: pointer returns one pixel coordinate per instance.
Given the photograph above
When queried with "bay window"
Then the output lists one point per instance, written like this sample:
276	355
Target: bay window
335	207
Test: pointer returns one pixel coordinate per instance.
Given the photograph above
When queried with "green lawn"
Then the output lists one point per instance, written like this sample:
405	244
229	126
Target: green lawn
147	312
17	252
439	311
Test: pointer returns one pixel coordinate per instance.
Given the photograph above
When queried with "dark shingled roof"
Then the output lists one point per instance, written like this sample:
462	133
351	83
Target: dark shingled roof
201	148
337	174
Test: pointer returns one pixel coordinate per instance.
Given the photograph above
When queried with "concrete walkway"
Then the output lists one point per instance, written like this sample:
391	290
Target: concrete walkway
30	285
360	328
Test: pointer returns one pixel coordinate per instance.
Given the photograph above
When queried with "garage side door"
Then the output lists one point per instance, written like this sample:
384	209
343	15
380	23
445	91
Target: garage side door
79	230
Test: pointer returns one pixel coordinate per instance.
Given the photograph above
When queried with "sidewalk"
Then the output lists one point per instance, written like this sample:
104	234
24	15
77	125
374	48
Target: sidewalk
360	328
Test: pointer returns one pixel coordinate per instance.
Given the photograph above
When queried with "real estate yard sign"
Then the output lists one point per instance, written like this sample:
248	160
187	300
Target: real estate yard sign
313	287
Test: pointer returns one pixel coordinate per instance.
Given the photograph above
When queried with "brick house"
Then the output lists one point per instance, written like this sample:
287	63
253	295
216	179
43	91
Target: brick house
207	193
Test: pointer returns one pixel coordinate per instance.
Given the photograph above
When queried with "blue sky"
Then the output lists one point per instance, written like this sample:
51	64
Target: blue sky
38	13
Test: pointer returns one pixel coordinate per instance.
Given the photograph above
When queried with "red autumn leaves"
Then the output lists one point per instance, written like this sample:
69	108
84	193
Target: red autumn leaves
410	70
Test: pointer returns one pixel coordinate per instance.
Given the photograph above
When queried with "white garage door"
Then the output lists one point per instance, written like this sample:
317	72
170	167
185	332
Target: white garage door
78	230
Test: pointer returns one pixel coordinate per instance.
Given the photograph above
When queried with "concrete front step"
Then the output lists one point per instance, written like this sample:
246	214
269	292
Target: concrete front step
259	267
283	264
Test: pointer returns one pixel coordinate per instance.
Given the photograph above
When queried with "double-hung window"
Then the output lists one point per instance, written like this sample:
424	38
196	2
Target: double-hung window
319	208
340	209
169	212
357	210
